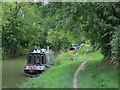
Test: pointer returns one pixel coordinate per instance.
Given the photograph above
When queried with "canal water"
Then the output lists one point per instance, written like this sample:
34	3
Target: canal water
13	72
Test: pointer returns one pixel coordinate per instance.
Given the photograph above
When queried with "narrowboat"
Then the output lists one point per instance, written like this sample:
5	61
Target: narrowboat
38	61
35	63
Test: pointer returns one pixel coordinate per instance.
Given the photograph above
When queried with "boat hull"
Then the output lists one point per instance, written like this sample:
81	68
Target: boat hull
33	69
33	72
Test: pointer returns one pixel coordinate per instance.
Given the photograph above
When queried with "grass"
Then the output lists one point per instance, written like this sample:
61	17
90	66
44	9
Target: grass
61	74
91	77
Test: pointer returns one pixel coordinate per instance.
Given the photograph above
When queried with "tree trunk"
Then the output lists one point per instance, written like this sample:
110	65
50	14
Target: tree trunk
106	62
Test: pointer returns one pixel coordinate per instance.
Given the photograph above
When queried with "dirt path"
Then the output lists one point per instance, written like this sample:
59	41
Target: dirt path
81	66
76	73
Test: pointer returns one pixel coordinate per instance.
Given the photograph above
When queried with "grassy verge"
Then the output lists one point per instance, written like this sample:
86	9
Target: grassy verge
91	77
60	76
56	77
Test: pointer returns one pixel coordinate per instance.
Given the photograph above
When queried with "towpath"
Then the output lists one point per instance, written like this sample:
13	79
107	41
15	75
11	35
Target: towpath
81	66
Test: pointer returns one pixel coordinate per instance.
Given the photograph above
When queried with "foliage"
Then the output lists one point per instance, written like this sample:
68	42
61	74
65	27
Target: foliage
60	60
59	38
20	28
59	25
98	26
115	45
12	35
108	20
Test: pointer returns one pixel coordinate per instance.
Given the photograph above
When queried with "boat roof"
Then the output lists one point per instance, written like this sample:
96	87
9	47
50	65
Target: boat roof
31	53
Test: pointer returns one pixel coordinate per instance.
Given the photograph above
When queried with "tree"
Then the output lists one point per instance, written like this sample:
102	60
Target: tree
60	24
19	27
97	26
12	34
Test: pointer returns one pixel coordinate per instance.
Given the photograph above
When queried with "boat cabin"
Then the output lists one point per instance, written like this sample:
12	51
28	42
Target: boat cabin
36	58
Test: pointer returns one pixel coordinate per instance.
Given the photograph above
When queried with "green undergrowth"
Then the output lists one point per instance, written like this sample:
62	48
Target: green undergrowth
62	58
67	56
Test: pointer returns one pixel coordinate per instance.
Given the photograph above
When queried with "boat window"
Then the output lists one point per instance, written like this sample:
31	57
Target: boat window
36	58
37	61
42	59
29	59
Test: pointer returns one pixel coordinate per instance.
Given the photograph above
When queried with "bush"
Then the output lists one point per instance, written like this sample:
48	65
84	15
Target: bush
115	45
62	57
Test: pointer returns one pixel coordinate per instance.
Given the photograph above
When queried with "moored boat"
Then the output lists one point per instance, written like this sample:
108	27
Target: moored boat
35	63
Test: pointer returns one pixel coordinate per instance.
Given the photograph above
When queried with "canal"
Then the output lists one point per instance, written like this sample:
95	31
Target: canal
13	72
